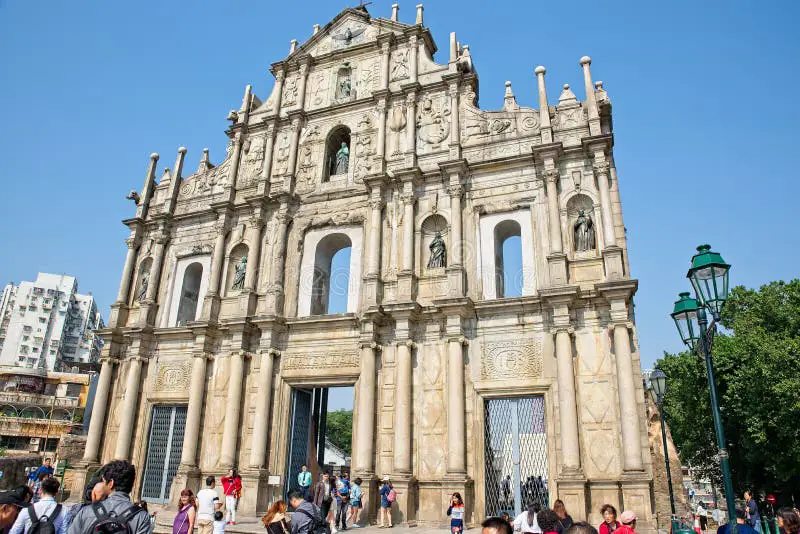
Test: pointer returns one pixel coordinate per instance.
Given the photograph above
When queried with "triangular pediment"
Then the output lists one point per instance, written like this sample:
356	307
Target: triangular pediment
351	27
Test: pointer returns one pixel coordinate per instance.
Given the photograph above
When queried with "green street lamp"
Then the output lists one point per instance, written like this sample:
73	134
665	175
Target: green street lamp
709	277
658	385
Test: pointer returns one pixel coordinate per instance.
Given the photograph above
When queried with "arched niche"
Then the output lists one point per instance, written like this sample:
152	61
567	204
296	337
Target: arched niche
575	205
337	154
234	260
190	294
176	288
511	229
317	280
432	225
142	281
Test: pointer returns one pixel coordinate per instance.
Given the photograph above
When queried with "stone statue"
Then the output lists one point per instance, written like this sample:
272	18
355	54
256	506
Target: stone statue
344	88
584	232
341	160
238	277
438	252
143	287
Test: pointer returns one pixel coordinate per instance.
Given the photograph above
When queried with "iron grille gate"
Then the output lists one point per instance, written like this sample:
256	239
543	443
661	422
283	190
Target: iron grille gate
515	454
164	445
299	432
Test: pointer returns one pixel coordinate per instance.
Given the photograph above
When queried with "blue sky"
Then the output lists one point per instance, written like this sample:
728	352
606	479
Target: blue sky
705	116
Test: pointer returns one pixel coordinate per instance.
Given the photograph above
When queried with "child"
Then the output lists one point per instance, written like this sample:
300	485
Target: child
219	523
456	513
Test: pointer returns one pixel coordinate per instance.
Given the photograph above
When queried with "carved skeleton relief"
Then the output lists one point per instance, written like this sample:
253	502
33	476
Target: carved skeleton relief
281	155
290	92
253	162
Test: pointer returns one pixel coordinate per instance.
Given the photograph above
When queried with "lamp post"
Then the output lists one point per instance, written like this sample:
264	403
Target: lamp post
708	275
658	385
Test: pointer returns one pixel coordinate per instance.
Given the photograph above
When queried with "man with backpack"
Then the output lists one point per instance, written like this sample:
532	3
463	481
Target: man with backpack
116	514
342	502
306	518
46	516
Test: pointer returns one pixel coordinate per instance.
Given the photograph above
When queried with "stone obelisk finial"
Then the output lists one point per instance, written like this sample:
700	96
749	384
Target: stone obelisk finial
419	14
292	46
544	108
591	101
395	9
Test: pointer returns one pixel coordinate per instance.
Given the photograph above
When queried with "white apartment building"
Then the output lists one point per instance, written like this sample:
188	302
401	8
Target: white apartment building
47	325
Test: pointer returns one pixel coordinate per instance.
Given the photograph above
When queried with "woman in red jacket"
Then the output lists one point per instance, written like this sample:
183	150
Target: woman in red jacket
232	488
610	523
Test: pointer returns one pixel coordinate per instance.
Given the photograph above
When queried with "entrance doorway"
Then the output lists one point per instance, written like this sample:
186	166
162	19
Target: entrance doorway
515	454
320	432
164	446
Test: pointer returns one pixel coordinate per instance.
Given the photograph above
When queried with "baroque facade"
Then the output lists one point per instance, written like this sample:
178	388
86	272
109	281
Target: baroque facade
366	143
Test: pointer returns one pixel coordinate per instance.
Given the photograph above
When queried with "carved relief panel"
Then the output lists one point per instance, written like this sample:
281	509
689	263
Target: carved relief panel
512	359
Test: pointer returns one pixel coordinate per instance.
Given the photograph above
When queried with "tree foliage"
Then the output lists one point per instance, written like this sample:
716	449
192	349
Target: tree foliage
339	429
756	359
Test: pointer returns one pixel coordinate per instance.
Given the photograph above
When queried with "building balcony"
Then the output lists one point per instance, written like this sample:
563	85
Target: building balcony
35	399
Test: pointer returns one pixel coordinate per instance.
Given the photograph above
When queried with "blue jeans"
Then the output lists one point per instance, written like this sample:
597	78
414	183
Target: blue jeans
757	526
306	490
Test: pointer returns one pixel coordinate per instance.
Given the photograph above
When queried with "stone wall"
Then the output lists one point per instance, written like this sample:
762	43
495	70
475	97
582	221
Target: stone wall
13	468
660	488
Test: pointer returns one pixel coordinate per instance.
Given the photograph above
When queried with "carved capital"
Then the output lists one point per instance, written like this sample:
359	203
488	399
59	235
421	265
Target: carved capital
568	328
455	190
132	241
376	203
280	75
369	345
221	226
238	137
551	175
296	124
407	197
601	169
458	339
411	97
407	343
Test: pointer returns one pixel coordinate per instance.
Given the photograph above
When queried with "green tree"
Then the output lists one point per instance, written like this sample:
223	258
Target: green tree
756	358
339	429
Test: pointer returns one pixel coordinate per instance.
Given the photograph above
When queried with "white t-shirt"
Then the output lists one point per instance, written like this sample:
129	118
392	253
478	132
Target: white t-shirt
219	527
205	504
521	524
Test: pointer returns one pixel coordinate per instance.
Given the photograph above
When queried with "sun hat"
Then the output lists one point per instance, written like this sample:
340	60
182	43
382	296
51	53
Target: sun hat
386	478
627	517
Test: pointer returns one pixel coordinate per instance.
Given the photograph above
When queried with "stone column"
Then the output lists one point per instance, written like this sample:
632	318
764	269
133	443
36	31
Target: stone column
275	289
99	408
381	144
194	410
254	227
628	411
456	442
130	406
402	414
455	131
601	173
233	404
456	256
155	270
551	184
385	60
407	264
127	271
280	78
238	141
411	128
568	411
218	257
376	205
413	47
258	449
293	153
269	147
301	87
365	415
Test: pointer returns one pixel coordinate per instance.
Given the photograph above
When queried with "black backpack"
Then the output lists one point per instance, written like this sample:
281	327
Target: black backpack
317	525
44	524
107	522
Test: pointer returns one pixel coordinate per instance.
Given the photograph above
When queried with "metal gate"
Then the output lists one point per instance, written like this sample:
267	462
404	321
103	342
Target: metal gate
164	446
300	433
515	455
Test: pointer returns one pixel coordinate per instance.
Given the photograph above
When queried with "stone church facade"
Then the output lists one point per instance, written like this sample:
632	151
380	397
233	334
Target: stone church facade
366	143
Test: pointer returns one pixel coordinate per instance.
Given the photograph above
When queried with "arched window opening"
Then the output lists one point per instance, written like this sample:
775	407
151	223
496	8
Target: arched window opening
331	284
337	154
508	259
190	293
238	264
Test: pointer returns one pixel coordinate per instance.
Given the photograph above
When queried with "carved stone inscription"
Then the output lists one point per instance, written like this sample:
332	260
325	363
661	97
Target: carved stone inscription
172	376
320	360
512	359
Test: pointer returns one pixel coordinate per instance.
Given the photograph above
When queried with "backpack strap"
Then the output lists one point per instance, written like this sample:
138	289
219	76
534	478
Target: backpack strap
52	515
32	514
130	512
